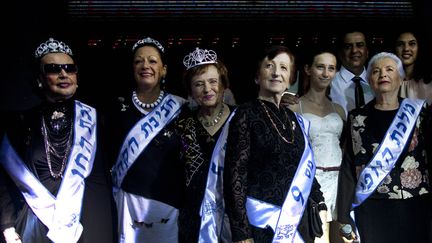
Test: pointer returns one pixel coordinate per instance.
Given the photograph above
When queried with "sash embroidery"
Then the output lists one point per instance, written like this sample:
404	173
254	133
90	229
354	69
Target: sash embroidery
213	206
284	221
62	214
142	134
389	150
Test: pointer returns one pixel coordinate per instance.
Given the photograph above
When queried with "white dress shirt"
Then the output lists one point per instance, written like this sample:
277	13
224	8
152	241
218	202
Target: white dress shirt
342	89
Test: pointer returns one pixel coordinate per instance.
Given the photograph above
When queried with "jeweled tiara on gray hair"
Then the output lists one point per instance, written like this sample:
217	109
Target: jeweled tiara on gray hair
52	46
148	40
199	57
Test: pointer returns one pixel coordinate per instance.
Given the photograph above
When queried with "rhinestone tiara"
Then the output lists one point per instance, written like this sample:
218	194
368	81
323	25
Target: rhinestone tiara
199	57
52	46
148	40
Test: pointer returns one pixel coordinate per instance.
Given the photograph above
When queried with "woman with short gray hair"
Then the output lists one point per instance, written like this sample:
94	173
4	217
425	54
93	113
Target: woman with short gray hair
384	174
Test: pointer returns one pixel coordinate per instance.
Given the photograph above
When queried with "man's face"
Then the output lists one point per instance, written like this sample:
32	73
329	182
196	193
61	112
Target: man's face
355	52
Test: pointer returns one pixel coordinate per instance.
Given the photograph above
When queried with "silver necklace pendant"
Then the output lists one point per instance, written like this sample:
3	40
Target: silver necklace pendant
58	121
57	115
58	125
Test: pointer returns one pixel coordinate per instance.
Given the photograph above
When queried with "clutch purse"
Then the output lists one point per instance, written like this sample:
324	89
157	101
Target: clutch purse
314	219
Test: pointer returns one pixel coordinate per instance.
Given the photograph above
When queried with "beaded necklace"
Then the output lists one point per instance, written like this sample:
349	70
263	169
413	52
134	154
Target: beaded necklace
213	122
292	124
147	106
51	148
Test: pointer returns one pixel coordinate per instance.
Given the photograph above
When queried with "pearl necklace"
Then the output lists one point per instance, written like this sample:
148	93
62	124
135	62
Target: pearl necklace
213	122
147	106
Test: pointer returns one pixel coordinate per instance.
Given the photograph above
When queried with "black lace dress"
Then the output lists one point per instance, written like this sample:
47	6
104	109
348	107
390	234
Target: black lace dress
25	132
260	164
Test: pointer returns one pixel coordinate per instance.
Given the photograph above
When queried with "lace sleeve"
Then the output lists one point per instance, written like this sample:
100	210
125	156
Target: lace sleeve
235	176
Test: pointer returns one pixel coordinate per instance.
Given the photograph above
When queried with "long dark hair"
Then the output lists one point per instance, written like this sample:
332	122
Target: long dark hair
421	67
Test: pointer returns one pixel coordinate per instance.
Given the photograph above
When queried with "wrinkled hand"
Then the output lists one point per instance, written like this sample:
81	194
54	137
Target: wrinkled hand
353	238
11	236
289	98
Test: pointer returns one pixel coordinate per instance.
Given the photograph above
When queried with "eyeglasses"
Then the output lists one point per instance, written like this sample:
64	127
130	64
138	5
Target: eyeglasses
53	68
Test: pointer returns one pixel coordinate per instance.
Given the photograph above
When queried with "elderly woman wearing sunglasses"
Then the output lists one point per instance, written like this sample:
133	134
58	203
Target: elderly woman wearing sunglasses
55	186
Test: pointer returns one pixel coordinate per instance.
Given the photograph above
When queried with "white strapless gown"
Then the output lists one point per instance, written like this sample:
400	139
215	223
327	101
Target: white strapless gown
324	135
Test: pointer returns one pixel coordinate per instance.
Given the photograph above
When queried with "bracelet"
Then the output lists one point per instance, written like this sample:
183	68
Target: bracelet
322	206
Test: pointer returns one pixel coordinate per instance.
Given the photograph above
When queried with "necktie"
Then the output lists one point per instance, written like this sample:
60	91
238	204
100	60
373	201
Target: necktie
358	92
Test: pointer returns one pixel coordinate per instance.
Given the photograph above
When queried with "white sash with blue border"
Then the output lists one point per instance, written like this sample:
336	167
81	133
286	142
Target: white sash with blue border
387	153
142	134
284	221
389	150
60	214
213	206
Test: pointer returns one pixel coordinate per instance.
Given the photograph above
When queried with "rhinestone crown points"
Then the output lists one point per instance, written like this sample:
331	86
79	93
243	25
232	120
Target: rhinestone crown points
148	40
52	46
199	57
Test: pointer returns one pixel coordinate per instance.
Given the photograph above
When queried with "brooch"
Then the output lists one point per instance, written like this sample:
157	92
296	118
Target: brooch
57	115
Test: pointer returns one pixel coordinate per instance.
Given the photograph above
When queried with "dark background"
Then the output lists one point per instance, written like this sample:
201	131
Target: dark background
101	34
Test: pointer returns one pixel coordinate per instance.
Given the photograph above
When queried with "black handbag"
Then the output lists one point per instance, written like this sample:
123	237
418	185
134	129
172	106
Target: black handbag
314	219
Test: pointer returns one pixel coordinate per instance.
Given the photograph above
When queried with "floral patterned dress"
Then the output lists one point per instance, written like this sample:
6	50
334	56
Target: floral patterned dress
399	209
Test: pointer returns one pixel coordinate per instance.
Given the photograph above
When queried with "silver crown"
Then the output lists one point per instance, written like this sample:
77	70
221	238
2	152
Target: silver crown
199	57
148	40
52	46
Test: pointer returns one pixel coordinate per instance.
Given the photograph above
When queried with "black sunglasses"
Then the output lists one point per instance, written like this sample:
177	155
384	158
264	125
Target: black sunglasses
57	68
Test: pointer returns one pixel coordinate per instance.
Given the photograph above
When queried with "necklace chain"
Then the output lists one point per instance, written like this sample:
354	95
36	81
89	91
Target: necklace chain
147	106
213	122
50	148
283	126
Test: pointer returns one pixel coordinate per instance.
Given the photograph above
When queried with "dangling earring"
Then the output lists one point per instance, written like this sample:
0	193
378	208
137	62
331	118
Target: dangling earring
256	81
163	81
39	84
